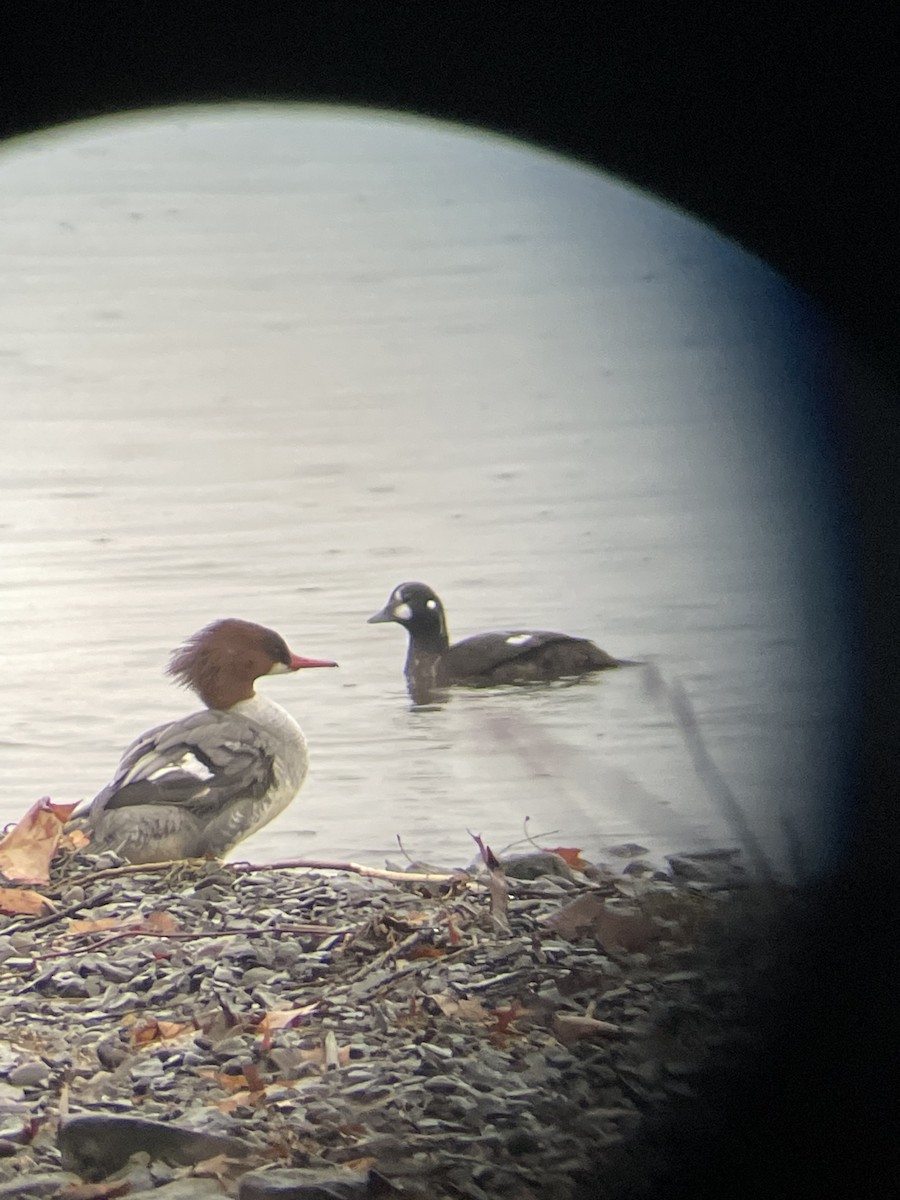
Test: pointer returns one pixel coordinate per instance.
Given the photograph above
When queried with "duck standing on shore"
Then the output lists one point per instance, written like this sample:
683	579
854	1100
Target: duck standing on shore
486	659
197	786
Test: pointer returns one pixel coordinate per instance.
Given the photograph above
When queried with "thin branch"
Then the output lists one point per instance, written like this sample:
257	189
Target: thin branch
403	849
498	888
531	838
316	864
137	868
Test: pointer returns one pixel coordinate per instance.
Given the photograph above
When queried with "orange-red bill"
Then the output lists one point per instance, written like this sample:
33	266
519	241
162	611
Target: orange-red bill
297	662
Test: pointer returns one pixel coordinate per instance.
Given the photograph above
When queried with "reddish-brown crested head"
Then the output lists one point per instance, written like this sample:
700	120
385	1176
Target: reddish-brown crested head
223	660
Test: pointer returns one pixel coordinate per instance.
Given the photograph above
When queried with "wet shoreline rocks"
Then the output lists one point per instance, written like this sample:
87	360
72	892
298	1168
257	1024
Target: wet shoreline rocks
207	1029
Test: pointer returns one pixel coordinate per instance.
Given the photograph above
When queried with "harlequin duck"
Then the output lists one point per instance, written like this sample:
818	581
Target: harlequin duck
485	660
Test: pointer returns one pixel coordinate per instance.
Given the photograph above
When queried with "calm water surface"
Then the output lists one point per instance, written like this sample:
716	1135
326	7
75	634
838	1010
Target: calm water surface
268	363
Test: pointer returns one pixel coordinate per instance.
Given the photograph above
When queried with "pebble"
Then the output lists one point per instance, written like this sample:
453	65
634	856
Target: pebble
29	1075
434	1068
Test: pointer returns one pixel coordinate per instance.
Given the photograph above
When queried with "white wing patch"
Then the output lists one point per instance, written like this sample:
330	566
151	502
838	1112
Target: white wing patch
518	639
188	762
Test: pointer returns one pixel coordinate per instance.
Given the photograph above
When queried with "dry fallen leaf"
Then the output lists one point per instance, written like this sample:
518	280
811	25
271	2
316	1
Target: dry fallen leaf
425	951
27	849
465	1009
505	1017
245	1098
498	888
228	1083
627	929
220	1167
570	857
285	1018
74	839
158	921
106	1190
98	925
21	902
152	1030
242	1099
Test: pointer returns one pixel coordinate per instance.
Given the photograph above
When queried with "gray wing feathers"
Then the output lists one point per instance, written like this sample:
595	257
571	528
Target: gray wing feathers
206	760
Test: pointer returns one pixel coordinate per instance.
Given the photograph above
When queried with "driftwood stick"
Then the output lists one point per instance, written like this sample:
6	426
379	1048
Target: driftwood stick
325	864
137	868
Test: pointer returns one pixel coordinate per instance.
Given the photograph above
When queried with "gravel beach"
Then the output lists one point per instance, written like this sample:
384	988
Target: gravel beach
531	1030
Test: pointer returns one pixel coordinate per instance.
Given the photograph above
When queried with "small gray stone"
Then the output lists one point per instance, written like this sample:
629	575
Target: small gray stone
29	1074
95	1146
193	1188
35	1187
293	1183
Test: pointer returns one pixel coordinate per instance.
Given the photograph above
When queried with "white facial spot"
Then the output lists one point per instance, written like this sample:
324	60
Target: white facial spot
402	612
431	603
518	639
278	668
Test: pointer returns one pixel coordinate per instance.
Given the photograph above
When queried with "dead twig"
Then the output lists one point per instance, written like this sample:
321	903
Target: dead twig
529	838
322	864
497	886
402	849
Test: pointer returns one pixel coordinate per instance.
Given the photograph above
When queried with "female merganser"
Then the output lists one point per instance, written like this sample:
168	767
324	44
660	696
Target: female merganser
197	786
487	659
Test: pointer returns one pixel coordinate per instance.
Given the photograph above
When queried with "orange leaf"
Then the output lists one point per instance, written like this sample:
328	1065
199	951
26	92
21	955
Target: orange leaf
219	1167
170	1029
19	901
426	952
360	1164
144	1032
95	926
152	1030
75	839
465	1009
240	1100
284	1018
107	1190
505	1016
158	921
253	1077
229	1083
571	857
628	929
26	851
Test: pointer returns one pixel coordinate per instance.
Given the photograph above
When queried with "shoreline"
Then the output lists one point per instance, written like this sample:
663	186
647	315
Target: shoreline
409	1036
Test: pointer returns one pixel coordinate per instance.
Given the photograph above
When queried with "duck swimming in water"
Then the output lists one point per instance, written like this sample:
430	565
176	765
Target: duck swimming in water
486	659
197	786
